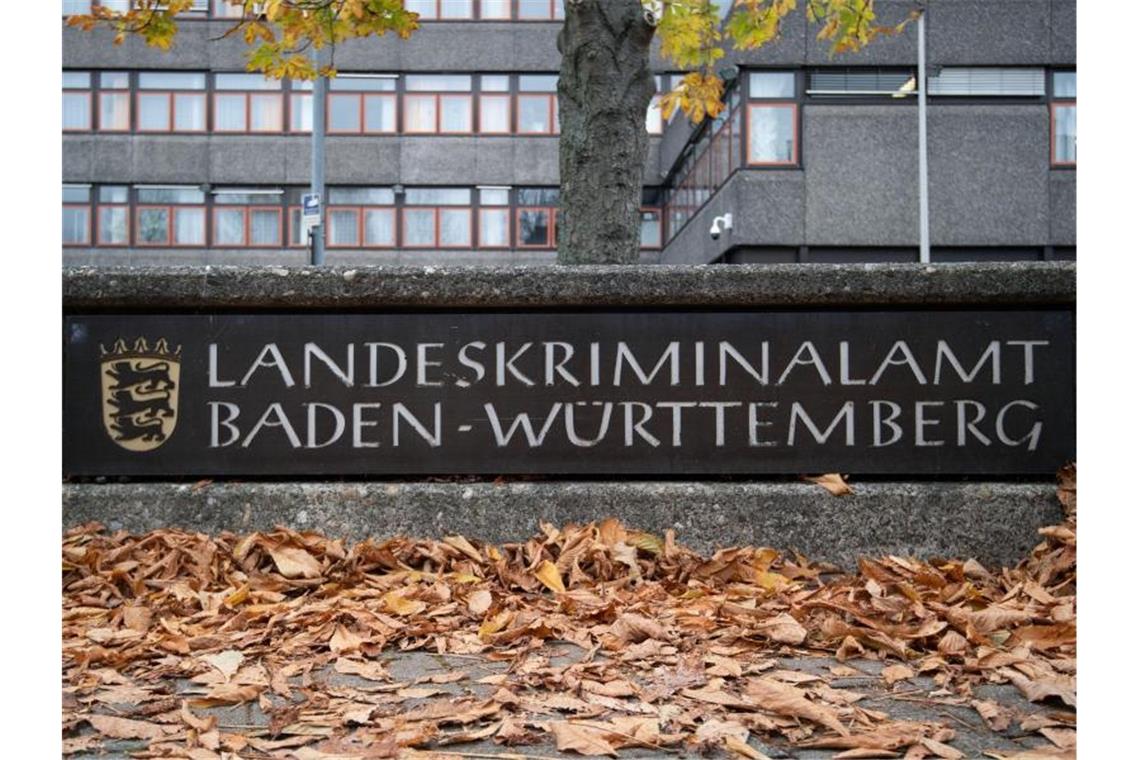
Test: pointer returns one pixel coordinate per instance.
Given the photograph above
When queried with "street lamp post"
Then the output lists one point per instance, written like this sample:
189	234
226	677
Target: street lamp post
317	185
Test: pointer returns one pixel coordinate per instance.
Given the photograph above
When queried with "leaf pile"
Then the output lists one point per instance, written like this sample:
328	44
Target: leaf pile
675	651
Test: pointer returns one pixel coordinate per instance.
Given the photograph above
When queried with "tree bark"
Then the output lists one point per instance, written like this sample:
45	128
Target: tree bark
604	89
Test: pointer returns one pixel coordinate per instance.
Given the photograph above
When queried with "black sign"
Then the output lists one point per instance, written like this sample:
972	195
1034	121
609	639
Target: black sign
901	391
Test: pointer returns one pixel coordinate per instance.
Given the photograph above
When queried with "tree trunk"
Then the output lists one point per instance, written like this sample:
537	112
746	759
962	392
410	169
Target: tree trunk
604	89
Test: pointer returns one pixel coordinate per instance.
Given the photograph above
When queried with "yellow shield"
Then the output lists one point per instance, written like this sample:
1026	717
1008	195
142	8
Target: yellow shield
140	394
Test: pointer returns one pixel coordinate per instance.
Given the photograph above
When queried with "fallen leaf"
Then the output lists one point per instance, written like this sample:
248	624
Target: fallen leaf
126	728
227	663
569	737
548	575
293	562
832	482
479	602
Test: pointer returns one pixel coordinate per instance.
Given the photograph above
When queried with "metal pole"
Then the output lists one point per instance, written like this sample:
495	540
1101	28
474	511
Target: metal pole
923	188
317	186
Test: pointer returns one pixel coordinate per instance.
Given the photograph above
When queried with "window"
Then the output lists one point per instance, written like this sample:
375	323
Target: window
654	124
494	217
76	101
114	101
854	82
540	10
773	125
1063	118
437	218
987	81
171	102
247	218
112	216
76	214
442	9
362	104
650	228
537	218
248	103
495	9
300	106
441	111
170	216
361	217
537	107
71	7
495	105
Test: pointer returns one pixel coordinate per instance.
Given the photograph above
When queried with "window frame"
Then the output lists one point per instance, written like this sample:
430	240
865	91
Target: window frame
361	113
503	96
248	95
361	239
99	242
553	4
247	217
120	92
1056	102
86	209
171	113
172	209
89	91
437	243
506	211
551	228
660	211
795	108
468	95
551	114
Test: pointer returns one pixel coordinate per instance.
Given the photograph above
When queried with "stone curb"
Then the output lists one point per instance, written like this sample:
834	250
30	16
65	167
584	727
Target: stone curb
638	286
993	522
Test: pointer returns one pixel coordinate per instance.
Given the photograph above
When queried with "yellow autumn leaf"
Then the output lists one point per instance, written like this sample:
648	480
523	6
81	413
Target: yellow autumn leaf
549	576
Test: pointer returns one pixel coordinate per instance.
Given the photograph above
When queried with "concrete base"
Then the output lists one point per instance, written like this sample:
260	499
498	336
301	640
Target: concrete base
994	522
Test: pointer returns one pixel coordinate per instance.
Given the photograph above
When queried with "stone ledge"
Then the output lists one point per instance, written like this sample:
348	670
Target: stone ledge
994	522
638	286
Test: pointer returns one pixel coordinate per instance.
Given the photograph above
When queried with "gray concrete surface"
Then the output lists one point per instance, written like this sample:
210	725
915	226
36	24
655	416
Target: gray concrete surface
993	522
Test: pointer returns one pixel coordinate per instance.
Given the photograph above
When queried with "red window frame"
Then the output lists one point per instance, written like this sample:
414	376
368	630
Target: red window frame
99	225
249	95
86	209
660	228
171	210
295	228
90	107
119	93
510	12
361	238
1053	132
551	113
795	131
551	17
170	97
293	97
361	121
437	243
439	112
510	116
551	227
247	215
439	13
506	211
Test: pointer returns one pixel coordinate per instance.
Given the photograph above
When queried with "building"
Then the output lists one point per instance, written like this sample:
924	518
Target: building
443	148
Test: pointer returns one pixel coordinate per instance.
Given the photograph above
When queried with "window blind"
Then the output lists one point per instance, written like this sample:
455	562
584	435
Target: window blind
1007	82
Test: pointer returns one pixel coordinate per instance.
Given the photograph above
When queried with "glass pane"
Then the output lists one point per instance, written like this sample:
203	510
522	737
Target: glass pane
301	113
264	226
496	83
454	227
494	196
493	227
344	113
170	80
114	110
1065	134
559	9
245	82
361	83
115	80
223	9
190	113
297	234
370	196
113	194
771	84
379	113
265	113
426	8
343	225
1065	84
531	196
653	123
379	227
250	198
438	196
419	113
76	80
495	114
154	112
534	9
534	227
229	226
538	83
419	227
154	226
76	110
456	9
495	8
171	195
113	225
189	226
650	229
76	6
74	225
438	83
455	113
229	113
534	114
771	136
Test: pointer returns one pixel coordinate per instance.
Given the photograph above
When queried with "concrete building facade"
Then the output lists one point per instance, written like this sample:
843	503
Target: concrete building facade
443	149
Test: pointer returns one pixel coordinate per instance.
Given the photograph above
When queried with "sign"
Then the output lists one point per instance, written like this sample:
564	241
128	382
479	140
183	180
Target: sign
310	210
930	392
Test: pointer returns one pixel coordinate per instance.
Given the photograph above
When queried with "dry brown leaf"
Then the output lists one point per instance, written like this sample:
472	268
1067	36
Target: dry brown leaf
892	674
738	747
785	699
227	663
344	641
479	602
569	737
294	562
782	628
832	482
548	575
126	728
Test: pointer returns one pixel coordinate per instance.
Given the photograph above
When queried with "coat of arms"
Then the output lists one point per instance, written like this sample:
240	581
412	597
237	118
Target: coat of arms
140	393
